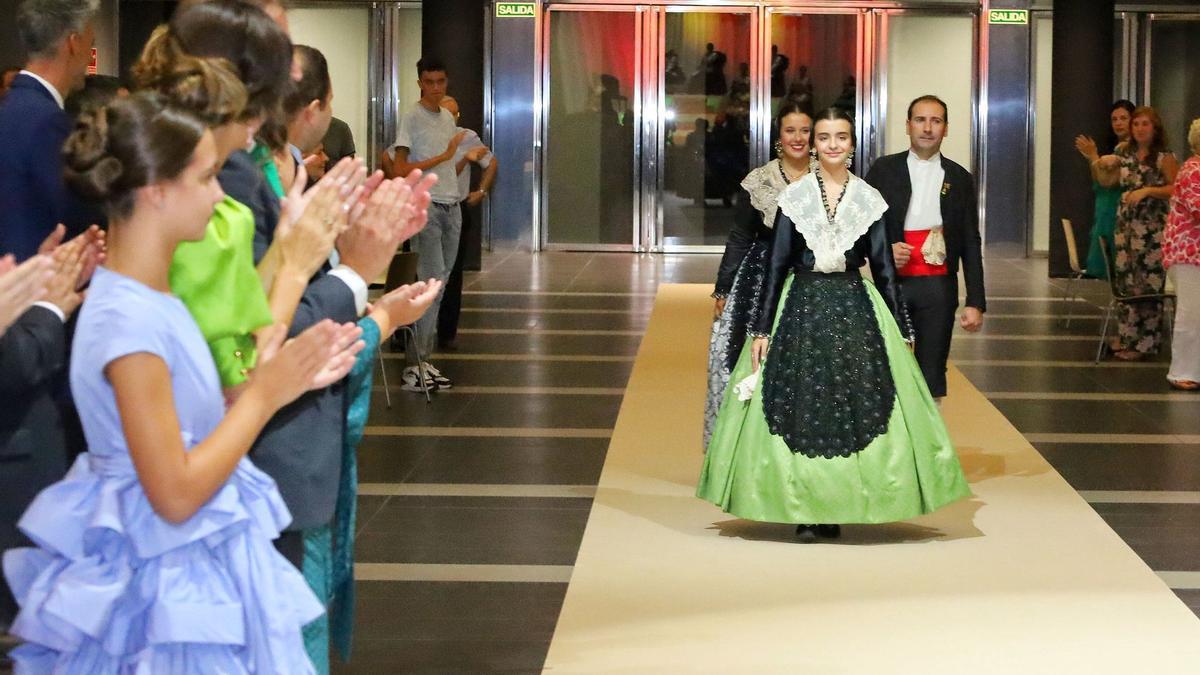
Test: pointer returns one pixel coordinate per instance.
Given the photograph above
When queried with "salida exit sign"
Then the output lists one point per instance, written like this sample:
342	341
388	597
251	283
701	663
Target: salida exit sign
1016	17
516	9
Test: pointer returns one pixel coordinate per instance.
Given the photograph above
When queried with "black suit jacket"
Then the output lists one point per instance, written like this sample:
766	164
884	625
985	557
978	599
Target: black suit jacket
35	443
960	217
33	196
301	447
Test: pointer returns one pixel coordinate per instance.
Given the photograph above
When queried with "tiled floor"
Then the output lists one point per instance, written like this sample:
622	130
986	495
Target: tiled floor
546	349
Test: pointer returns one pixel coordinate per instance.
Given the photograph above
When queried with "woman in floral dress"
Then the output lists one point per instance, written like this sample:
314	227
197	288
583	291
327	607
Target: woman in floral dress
1145	169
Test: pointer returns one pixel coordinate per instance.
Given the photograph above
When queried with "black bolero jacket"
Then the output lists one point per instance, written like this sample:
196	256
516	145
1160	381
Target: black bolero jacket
748	228
790	252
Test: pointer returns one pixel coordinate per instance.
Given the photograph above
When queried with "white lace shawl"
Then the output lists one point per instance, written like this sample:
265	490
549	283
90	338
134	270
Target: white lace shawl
861	206
764	185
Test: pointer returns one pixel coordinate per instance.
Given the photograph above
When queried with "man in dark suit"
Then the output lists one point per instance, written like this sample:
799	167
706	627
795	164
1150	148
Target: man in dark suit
58	36
39	429
930	197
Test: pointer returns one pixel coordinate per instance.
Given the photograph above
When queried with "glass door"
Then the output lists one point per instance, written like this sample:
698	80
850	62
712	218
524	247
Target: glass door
817	58
591	105
1173	46
705	136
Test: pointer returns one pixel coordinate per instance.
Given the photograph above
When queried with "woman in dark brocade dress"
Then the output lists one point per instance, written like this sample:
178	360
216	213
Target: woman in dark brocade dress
827	418
740	278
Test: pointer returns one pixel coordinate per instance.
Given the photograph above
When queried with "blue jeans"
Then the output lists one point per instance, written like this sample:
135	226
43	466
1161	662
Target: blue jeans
436	247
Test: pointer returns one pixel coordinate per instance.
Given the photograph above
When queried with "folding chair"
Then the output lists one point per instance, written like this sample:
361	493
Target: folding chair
403	270
1077	272
1117	298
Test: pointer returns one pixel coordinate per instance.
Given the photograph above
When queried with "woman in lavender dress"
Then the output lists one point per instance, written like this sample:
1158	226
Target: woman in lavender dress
154	554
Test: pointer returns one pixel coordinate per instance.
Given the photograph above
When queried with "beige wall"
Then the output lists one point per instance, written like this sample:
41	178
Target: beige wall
407	53
342	35
1043	34
107	54
930	55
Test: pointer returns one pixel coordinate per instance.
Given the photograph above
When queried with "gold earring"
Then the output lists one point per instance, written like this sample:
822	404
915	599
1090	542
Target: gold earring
779	148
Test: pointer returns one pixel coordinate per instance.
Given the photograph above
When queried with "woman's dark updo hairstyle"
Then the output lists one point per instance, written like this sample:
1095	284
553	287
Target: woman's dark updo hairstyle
208	87
134	142
832	114
1113	141
243	35
792	108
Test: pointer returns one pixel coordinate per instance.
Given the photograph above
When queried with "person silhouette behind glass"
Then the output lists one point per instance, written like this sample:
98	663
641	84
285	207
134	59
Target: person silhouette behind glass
779	66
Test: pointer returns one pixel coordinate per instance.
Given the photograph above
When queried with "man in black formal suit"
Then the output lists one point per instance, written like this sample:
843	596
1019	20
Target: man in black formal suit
930	198
39	428
58	35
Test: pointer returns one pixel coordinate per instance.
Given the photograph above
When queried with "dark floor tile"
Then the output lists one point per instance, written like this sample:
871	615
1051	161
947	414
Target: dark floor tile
1035	306
1038	326
1166	536
457	610
1007	378
526	373
1090	417
1117	466
632	303
409	408
445	657
1191	598
391	459
530	461
579	412
539	343
473	530
1178	417
510	320
368	507
1134	380
1023	350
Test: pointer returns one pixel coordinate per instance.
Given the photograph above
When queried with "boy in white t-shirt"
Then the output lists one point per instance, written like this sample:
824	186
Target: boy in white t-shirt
428	140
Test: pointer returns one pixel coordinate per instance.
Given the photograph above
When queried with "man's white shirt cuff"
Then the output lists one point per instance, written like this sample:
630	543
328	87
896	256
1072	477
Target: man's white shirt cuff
356	284
53	308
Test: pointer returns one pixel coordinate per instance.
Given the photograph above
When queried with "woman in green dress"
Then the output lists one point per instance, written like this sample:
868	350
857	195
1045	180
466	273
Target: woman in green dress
829	421
1104	219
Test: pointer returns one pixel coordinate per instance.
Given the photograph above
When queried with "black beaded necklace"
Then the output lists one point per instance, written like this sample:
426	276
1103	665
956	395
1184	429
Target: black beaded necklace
830	214
783	173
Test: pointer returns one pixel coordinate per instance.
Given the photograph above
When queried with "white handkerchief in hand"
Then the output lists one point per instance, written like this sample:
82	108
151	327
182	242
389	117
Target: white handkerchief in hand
745	388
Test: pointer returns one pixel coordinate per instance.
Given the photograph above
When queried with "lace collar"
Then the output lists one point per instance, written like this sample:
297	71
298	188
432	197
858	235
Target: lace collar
861	206
764	185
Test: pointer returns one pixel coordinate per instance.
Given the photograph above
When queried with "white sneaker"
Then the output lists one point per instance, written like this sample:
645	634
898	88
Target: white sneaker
436	375
410	380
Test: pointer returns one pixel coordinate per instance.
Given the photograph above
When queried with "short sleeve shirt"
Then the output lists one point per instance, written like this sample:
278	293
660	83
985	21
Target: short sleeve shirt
469	142
426	135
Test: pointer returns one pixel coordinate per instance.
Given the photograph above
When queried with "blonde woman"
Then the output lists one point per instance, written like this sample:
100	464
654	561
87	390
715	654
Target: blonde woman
1181	257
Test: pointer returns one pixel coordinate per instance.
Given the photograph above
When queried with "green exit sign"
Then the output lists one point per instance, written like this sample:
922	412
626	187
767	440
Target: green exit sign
518	9
1012	17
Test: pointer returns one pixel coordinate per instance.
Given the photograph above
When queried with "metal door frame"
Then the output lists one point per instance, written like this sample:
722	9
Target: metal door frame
541	227
648	97
654	162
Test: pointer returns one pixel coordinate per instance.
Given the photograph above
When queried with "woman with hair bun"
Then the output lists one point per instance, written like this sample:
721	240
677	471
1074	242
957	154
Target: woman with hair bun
743	265
827	419
230	297
154	553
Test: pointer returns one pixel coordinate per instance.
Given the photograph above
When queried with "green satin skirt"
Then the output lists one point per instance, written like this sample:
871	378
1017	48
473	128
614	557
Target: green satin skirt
908	471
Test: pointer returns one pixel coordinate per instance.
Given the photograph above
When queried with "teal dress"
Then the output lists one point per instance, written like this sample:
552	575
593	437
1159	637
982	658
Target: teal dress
328	564
838	425
1103	225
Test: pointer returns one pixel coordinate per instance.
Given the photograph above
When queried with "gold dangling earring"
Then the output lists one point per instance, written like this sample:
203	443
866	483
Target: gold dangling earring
850	160
813	164
779	148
